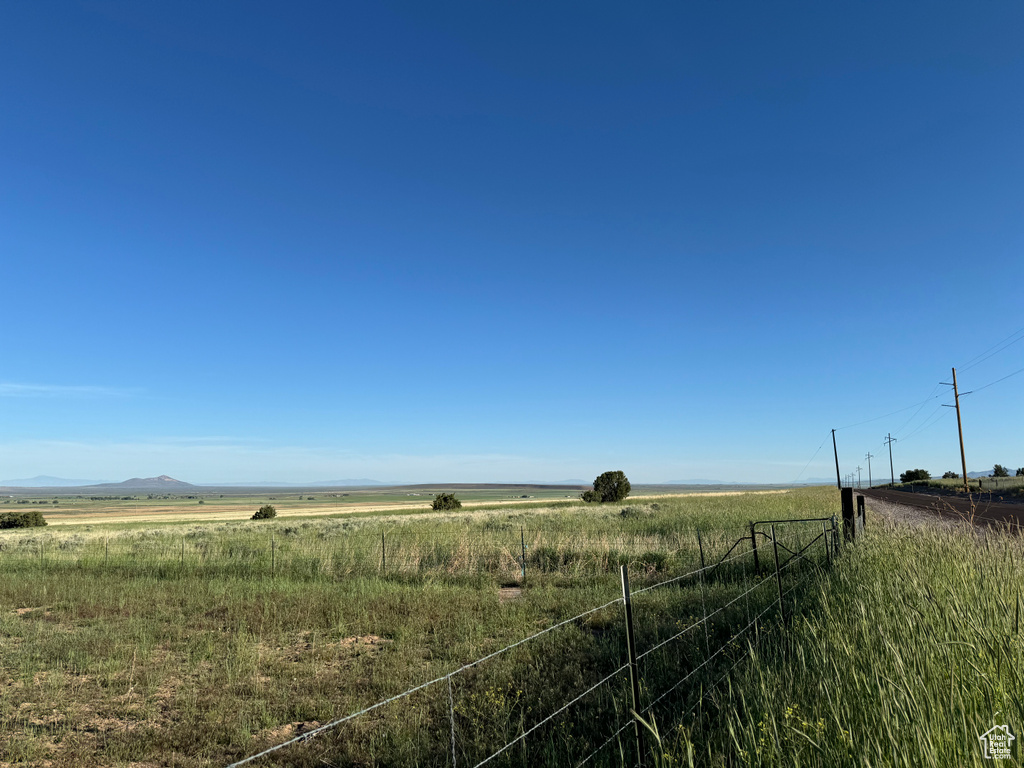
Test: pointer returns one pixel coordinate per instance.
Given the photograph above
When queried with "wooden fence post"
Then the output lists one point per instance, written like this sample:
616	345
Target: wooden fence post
849	523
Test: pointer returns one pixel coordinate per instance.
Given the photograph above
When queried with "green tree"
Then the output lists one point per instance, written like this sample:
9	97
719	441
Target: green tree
610	486
445	501
1000	471
950	476
265	512
912	475
1020	472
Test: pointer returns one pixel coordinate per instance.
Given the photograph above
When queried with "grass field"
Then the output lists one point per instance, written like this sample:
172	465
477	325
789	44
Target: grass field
118	651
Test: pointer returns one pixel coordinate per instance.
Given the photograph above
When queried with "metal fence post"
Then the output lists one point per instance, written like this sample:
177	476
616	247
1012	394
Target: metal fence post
451	715
273	556
824	540
861	513
634	672
778	574
753	546
522	541
700	546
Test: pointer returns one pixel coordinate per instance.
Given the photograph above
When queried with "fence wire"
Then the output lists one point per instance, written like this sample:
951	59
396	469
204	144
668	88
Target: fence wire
710	657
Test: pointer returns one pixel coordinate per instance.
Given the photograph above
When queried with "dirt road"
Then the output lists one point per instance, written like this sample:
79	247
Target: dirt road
980	509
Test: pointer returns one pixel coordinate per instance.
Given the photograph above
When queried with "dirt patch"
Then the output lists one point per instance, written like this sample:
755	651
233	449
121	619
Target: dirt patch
363	642
27	611
290	730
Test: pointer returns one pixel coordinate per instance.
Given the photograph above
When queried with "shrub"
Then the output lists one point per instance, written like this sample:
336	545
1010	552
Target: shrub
950	476
634	512
265	512
610	486
912	475
22	519
445	501
1020	472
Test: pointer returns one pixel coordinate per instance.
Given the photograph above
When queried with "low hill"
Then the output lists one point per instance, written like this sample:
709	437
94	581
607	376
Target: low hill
162	483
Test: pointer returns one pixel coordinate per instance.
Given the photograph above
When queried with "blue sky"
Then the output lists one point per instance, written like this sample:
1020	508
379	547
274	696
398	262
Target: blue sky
499	242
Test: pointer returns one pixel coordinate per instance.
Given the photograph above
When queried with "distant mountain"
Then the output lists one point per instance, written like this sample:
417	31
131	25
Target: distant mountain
145	484
315	484
46	481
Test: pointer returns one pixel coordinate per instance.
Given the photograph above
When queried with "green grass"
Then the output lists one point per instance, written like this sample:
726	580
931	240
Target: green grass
118	652
908	653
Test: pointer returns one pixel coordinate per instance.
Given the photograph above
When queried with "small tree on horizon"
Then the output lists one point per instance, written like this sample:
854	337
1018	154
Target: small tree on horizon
1020	472
912	475
610	486
444	501
1000	471
950	476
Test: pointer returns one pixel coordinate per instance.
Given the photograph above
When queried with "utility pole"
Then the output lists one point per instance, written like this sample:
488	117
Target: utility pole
868	457
839	483
890	440
858	476
959	425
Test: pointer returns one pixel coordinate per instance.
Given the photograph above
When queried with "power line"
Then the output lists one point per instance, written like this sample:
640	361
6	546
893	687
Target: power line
811	459
978	359
986	386
928	425
931	396
892	413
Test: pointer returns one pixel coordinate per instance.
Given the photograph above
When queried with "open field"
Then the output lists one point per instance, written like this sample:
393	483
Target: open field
118	651
201	644
150	509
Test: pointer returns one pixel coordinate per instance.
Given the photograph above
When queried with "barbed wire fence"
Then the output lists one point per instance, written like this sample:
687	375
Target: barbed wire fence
511	553
652	654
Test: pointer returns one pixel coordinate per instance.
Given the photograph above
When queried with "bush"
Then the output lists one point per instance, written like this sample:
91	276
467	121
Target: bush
610	486
950	476
445	501
1020	472
912	475
265	512
1000	471
31	519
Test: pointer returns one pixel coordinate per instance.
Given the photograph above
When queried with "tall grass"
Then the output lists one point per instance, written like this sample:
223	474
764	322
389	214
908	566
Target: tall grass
121	647
909	652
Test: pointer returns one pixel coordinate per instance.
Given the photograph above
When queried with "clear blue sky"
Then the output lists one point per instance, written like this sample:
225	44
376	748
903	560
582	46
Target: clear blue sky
495	242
